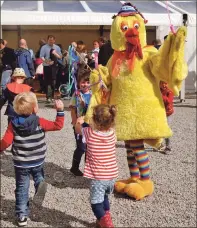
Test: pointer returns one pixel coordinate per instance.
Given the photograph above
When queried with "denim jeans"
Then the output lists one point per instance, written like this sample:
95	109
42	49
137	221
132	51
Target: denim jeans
22	187
6	78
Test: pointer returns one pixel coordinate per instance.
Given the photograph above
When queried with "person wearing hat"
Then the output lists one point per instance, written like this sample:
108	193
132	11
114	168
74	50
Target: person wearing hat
13	89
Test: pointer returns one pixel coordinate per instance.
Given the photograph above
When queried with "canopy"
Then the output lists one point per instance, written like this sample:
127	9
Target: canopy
91	12
158	13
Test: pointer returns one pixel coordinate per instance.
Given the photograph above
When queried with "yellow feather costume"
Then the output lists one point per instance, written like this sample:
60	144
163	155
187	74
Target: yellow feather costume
136	93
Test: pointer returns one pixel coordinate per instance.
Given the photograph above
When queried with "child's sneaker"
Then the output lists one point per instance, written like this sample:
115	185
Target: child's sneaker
161	148
167	150
22	221
40	193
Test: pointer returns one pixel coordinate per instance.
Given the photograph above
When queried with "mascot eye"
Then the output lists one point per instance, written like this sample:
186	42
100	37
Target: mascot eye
125	27
136	25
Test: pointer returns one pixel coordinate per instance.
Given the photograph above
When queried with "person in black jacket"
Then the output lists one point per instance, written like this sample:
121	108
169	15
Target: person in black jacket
105	53
7	64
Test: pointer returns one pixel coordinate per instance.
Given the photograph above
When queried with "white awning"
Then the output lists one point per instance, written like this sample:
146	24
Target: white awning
85	18
91	12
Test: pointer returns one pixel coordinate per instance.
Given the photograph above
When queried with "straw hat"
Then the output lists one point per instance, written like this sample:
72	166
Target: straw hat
19	72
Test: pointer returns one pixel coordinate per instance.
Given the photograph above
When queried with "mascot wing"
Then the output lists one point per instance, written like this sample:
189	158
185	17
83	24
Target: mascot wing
168	63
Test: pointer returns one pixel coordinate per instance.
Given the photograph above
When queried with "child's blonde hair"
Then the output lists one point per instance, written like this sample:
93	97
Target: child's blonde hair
24	103
104	117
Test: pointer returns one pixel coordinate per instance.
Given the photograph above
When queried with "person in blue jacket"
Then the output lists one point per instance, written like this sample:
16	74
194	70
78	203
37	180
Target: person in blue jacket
25	61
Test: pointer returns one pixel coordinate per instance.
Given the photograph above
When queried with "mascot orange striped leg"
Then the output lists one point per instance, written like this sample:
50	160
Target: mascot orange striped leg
139	184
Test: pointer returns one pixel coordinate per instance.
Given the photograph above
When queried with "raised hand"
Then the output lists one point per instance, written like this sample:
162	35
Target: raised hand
59	105
80	120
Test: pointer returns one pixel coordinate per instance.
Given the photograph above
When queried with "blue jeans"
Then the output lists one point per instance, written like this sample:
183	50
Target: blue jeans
6	78
22	187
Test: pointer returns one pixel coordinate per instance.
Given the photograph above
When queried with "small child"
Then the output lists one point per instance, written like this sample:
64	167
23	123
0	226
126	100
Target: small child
26	133
12	89
101	165
168	97
79	105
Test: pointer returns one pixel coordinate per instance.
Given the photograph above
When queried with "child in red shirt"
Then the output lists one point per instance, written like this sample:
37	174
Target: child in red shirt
12	89
168	98
26	133
101	164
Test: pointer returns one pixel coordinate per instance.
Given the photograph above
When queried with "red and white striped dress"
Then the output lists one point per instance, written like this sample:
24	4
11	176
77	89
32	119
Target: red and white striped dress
101	163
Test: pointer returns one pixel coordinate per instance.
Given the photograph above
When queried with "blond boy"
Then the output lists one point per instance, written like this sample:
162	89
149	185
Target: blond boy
26	133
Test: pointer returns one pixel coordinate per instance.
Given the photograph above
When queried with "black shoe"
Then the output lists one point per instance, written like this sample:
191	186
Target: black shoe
168	148
22	221
40	193
76	172
166	151
161	148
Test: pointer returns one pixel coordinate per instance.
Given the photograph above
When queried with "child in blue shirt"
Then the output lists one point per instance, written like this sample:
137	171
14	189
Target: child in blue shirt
78	106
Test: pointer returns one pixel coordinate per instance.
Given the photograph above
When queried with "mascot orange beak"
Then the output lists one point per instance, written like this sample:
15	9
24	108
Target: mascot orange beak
132	36
133	46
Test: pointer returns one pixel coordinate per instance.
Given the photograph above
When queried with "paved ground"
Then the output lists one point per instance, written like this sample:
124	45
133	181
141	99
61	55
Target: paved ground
173	203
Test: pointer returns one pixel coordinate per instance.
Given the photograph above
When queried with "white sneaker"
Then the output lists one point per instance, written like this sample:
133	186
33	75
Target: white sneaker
22	221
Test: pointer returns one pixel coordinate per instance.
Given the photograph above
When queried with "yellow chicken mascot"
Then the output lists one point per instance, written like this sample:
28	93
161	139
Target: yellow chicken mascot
131	82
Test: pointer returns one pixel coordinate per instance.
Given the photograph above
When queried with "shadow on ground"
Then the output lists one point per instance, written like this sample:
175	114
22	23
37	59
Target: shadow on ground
51	217
54	174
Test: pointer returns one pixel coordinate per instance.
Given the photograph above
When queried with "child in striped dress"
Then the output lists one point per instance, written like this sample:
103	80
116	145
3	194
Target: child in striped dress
26	133
101	165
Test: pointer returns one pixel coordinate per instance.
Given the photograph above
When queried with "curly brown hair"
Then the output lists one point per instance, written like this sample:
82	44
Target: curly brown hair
104	117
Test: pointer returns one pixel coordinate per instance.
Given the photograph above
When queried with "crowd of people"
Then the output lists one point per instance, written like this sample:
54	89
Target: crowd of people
50	64
25	130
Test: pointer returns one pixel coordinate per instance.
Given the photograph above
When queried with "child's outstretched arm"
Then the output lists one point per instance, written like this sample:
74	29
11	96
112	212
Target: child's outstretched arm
78	125
7	139
58	124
